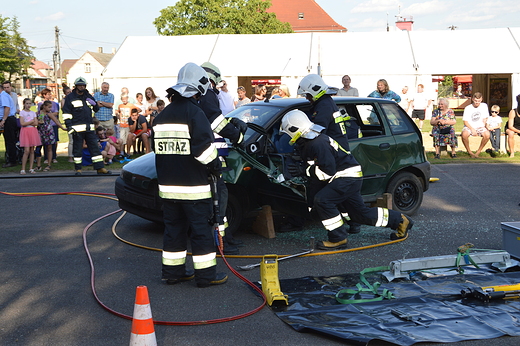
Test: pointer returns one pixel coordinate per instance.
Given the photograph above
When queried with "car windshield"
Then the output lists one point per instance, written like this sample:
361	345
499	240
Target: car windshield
256	113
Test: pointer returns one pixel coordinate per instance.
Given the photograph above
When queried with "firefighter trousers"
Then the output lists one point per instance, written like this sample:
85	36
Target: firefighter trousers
183	221
92	140
343	195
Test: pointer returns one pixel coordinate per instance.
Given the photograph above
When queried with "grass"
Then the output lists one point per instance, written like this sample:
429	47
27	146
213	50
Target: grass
62	165
462	156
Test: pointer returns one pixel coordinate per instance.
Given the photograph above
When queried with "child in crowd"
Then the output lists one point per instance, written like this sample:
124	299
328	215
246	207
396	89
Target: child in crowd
117	143
123	115
139	128
160	107
29	136
139	104
493	124
45	115
107	150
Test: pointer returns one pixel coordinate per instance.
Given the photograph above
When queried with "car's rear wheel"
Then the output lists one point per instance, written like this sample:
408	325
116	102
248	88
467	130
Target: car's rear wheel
407	193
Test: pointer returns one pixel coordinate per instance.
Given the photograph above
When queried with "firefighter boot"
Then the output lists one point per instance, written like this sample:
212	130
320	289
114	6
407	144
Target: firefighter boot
103	171
228	248
354	227
189	275
219	279
403	228
330	246
78	172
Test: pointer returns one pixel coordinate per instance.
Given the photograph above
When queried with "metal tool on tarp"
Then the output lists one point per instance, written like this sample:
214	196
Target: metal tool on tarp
408	316
311	249
400	268
492	292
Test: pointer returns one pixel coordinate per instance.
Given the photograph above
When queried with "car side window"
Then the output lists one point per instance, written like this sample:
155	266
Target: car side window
367	114
369	119
398	120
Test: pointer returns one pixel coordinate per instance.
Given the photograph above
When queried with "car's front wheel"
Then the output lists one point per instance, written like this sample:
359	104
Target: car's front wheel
407	193
234	212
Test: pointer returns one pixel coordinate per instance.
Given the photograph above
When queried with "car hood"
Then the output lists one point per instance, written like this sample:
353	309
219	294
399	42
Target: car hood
143	166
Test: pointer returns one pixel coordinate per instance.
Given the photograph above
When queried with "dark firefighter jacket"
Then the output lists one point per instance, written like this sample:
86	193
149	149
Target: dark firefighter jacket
77	112
184	148
219	124
326	159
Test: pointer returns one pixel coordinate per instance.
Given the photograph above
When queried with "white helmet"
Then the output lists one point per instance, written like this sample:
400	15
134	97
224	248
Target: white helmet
212	71
314	85
192	79
296	124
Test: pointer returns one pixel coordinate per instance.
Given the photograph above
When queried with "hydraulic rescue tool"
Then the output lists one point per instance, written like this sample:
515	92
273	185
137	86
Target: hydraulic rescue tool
252	266
270	282
492	292
216	214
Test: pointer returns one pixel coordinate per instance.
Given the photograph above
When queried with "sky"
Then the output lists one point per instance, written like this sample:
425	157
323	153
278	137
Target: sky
89	25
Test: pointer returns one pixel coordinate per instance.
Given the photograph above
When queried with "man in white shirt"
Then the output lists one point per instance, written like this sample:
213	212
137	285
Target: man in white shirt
225	99
406	101
475	117
419	103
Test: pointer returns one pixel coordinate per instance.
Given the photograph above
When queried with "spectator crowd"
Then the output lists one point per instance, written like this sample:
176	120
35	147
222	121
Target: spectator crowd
124	123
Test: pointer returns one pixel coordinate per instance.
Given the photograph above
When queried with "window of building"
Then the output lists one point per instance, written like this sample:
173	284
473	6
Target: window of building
300	15
87	68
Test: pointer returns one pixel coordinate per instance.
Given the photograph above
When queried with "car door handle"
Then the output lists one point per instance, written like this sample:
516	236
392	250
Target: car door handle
384	146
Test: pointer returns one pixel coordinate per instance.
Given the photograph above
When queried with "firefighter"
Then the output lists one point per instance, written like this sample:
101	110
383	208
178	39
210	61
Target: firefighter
234	130
335	179
325	112
186	155
77	114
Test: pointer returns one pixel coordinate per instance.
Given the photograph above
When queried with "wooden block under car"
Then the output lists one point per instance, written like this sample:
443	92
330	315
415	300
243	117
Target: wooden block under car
384	201
264	224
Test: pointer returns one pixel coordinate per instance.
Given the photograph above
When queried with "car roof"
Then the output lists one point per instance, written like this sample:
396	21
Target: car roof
300	101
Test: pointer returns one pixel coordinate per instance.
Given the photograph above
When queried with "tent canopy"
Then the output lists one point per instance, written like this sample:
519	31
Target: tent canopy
363	53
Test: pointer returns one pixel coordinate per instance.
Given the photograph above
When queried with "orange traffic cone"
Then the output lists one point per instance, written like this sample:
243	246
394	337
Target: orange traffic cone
143	333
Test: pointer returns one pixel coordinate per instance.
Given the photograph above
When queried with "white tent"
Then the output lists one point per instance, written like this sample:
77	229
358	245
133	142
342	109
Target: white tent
401	57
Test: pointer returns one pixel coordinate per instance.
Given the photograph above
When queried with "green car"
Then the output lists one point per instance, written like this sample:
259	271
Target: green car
389	148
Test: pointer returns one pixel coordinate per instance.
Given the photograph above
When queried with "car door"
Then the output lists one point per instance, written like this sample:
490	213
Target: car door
375	146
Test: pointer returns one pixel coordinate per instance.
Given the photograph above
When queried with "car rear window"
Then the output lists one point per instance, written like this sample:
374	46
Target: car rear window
398	120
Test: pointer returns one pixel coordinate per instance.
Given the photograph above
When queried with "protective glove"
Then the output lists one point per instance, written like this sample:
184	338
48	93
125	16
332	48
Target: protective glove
215	167
239	124
296	169
91	101
70	130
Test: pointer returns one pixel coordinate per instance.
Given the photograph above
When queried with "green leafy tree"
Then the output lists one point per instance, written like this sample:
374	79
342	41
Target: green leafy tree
446	87
203	17
15	53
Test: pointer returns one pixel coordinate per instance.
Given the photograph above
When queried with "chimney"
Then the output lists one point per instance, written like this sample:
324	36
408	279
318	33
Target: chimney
100	49
404	23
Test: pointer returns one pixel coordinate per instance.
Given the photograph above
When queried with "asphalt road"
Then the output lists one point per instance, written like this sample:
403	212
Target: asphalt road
46	298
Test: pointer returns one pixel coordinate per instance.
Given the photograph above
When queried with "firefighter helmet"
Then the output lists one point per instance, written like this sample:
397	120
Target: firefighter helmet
192	79
314	85
296	124
80	81
212	71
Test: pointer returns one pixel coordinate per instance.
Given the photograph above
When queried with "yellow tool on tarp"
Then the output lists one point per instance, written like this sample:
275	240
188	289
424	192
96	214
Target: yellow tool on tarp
270	283
492	292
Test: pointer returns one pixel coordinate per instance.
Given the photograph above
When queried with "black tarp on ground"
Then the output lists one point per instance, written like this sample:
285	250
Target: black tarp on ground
442	314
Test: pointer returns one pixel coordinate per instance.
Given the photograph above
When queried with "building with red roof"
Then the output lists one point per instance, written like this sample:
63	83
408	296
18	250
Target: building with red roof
304	16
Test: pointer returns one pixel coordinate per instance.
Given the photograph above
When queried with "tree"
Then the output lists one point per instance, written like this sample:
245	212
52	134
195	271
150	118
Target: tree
446	87
15	53
203	17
